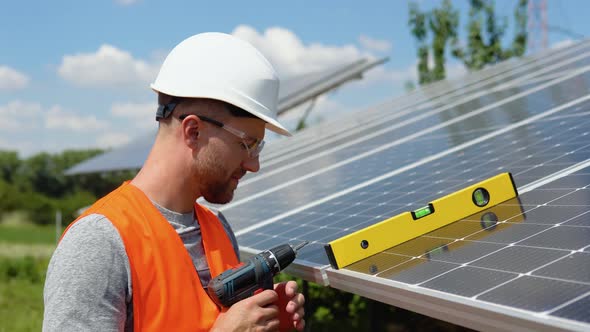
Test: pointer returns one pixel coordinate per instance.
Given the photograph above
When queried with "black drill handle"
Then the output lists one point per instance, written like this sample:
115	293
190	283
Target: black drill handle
241	282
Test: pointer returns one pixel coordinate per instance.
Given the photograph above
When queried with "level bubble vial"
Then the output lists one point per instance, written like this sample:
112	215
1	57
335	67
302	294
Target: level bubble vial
481	197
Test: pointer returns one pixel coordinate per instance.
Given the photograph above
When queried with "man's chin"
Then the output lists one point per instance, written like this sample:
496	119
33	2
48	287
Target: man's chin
219	199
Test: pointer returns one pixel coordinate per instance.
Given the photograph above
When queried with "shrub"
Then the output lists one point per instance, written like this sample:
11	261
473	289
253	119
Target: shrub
24	268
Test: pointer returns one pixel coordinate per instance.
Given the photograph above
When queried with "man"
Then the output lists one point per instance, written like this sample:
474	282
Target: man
140	258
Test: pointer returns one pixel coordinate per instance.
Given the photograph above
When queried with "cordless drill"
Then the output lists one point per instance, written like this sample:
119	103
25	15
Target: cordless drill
252	277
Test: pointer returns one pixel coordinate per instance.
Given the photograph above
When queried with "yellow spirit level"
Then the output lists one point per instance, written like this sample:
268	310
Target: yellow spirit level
409	225
441	241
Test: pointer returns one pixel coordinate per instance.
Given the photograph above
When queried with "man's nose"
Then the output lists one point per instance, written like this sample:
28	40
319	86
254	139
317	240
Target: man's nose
251	164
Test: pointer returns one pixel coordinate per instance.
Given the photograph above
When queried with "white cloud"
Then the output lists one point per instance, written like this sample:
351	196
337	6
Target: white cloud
11	79
57	118
291	56
126	2
382	74
563	43
20	108
452	70
141	114
29	127
324	108
18	115
374	44
108	66
24	148
455	70
112	140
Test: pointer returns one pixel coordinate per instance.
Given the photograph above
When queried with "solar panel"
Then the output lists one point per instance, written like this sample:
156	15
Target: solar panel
391	151
397	122
373	202
520	265
424	98
530	264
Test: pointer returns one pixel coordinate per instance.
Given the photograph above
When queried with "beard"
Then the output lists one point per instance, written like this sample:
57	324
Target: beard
216	183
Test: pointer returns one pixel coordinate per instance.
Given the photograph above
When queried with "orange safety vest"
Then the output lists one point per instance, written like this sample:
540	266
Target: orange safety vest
167	291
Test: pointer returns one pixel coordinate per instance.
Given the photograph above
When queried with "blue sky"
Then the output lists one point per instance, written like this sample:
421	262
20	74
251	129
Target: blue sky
76	74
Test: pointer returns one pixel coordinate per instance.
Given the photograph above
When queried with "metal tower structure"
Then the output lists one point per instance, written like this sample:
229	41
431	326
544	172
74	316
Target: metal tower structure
537	25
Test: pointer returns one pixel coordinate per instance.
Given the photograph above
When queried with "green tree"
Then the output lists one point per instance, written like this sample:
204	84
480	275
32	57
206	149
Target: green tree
44	175
436	30
10	198
39	187
9	165
442	24
45	172
485	34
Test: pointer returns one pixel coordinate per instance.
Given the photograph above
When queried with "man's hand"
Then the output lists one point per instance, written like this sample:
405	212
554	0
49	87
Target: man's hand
290	305
256	313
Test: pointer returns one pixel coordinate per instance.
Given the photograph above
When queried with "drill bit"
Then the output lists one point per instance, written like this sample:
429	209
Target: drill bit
300	245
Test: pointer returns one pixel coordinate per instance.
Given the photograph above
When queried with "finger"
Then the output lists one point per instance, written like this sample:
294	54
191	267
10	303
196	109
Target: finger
265	297
288	288
295	303
299	314
300	325
291	288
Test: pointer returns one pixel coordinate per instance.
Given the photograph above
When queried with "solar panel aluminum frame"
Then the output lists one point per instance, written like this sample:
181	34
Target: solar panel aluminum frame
353	71
464	311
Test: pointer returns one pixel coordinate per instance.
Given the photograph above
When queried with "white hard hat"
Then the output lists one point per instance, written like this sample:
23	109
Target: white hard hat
220	66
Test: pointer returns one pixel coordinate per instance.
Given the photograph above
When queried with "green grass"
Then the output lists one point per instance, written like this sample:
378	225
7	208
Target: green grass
25	249
21	293
21	305
27	234
19	237
19	250
15	218
20	240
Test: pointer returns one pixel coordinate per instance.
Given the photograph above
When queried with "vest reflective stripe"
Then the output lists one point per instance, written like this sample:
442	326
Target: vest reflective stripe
167	291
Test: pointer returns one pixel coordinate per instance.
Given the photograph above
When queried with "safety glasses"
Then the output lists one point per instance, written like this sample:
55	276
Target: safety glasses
253	148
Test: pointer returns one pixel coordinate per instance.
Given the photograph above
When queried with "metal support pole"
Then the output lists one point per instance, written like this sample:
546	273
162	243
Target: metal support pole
376	311
306	306
57	225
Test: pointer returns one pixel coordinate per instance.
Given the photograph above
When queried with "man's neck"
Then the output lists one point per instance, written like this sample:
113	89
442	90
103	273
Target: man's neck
163	182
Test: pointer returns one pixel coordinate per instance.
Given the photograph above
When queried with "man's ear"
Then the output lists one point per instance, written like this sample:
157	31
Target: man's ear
190	130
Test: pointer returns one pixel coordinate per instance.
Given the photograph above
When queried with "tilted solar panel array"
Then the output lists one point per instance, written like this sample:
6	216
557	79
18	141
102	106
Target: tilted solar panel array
428	97
389	117
523	265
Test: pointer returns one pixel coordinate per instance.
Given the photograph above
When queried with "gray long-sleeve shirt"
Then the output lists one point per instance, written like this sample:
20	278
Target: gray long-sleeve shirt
88	285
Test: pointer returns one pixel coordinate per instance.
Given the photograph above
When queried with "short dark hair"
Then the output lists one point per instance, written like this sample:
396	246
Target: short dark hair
234	110
238	112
